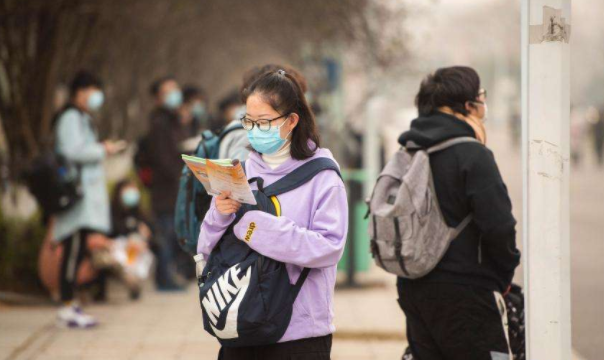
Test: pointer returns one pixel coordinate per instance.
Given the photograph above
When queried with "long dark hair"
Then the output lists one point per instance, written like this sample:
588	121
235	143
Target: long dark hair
451	86
283	93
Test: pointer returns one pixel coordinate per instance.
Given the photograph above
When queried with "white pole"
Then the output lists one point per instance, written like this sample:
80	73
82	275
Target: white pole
371	144
545	116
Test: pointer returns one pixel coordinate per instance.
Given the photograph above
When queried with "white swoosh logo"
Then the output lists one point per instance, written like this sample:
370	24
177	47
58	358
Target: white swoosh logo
230	326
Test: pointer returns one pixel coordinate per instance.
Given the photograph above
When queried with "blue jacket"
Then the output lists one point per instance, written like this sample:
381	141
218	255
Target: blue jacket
77	142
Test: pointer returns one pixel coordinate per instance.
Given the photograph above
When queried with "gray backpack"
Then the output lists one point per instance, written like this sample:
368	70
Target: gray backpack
409	235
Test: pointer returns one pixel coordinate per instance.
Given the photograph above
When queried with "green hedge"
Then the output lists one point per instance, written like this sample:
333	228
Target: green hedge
20	242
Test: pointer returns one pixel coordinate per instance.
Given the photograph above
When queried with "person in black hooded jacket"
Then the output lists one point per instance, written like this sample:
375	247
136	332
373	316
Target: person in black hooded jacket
457	310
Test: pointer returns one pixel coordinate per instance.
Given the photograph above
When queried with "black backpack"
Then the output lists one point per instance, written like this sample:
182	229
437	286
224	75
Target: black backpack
53	181
514	302
246	298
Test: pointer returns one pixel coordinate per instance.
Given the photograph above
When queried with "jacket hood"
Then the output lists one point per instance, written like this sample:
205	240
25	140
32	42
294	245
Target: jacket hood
427	131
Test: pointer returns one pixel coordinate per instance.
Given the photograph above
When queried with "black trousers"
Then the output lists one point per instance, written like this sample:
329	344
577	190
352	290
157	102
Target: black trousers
454	322
74	250
318	348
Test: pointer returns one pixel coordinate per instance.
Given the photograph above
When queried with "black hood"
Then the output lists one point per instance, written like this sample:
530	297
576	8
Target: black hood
430	130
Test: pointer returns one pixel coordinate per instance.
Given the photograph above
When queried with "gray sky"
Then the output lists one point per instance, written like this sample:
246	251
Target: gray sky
486	34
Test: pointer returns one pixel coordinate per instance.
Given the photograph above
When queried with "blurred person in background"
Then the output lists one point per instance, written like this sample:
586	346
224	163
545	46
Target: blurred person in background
193	117
596	120
515	127
87	276
162	154
76	140
193	112
130	237
227	107
123	253
577	135
233	145
457	310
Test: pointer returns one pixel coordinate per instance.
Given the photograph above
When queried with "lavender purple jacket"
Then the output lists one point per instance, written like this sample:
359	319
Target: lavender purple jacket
311	232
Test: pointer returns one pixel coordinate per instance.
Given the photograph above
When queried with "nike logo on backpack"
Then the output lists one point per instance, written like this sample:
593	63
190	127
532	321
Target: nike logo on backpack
223	299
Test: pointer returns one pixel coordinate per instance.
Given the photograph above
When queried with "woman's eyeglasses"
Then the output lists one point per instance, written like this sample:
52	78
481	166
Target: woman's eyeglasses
262	124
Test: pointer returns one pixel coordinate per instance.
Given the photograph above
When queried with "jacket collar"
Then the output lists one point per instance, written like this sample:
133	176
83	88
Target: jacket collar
435	128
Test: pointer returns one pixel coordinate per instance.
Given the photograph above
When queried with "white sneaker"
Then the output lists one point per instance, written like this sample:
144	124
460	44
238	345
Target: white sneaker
73	317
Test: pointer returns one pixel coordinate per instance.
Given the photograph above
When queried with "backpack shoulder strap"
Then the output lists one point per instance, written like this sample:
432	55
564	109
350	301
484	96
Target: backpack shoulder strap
299	283
301	175
451	142
206	136
58	114
442	146
229	130
462	225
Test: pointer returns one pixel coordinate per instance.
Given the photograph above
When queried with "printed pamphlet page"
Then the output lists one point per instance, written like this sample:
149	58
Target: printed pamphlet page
221	175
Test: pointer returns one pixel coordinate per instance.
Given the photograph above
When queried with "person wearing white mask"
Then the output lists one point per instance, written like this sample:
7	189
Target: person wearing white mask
234	142
193	112
467	286
194	117
76	141
166	134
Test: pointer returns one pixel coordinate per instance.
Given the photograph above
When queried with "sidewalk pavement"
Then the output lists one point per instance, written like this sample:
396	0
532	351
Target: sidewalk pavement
168	326
163	326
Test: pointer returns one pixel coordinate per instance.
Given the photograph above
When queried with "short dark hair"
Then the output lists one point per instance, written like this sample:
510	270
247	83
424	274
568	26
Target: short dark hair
190	92
157	84
284	94
82	80
451	87
231	99
254	73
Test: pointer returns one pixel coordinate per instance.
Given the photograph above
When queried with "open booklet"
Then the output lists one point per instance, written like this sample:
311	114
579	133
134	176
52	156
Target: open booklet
221	175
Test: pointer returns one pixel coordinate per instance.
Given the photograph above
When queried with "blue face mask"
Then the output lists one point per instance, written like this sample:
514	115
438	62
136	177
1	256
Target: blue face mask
266	142
199	110
173	100
95	100
131	197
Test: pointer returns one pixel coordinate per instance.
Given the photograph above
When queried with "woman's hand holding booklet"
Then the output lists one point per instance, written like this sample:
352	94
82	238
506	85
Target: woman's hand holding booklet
222	176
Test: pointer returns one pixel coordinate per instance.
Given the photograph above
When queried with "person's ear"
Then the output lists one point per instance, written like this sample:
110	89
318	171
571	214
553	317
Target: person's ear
293	118
468	106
